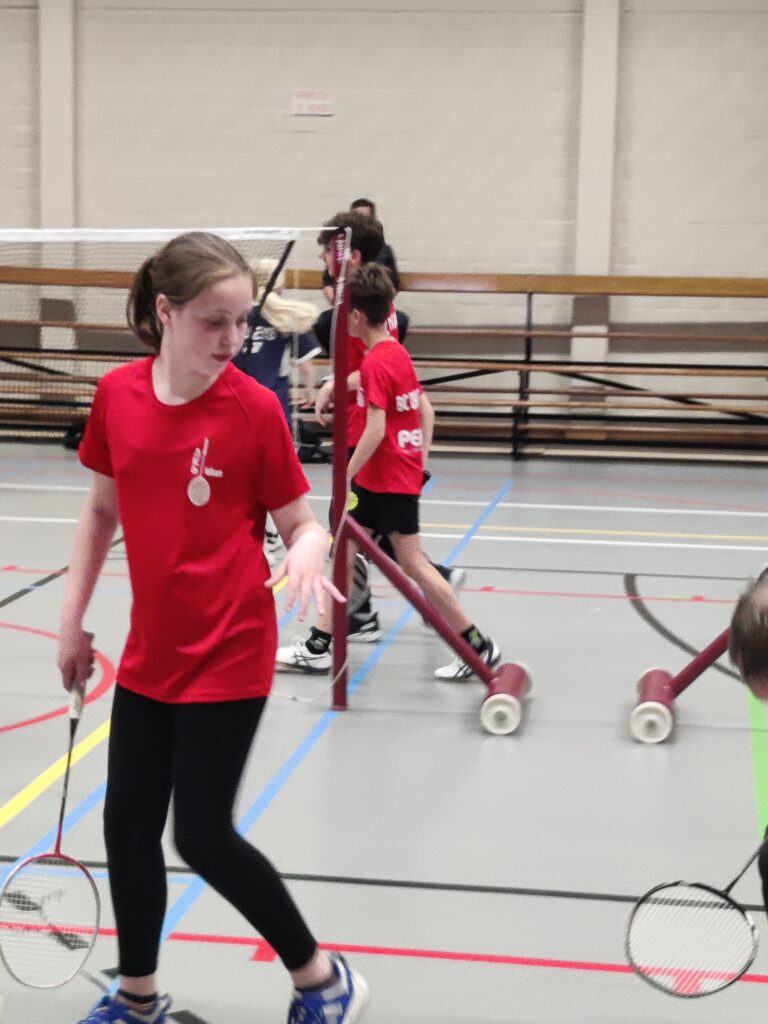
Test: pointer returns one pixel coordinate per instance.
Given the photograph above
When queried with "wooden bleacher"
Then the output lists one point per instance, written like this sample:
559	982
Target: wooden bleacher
505	391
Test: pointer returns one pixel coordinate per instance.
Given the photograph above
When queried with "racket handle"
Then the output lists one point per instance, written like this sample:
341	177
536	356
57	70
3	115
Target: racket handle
76	700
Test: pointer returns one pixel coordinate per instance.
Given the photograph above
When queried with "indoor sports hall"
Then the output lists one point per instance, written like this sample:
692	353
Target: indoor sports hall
575	194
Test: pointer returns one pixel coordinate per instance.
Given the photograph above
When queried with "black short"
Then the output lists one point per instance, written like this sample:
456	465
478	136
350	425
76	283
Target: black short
386	513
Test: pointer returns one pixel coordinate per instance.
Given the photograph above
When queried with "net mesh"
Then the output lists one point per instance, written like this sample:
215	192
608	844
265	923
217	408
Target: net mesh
49	920
62	312
689	940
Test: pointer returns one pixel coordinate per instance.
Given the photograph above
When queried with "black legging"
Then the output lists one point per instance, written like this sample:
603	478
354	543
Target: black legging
197	752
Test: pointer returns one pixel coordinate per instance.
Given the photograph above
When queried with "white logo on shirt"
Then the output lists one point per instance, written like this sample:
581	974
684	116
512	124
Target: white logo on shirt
198	488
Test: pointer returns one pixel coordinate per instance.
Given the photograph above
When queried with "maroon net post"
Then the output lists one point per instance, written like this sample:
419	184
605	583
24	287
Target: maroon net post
653	717
340	250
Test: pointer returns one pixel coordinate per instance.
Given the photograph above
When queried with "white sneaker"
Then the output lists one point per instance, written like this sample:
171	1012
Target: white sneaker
458	670
299	658
457	577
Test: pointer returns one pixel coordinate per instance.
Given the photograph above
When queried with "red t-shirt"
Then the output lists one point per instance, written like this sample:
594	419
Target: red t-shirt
357	351
388	380
194	482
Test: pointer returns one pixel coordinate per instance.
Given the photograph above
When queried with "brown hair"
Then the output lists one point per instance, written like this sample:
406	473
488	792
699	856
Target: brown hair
748	635
367	236
372	292
183	268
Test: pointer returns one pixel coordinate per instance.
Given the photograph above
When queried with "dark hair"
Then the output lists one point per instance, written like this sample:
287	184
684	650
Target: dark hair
183	268
748	635
372	292
369	203
367	236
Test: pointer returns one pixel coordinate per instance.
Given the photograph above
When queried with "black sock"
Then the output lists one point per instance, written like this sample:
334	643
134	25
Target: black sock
475	639
444	571
318	642
364	608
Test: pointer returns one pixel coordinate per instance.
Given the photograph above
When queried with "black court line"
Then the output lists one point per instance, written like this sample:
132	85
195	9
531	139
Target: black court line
32	587
630	588
414	884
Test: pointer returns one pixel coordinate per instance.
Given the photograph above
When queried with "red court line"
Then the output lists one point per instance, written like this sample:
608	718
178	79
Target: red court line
107	680
263	953
695	598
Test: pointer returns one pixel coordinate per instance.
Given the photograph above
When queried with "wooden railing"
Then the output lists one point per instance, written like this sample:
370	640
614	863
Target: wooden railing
540	397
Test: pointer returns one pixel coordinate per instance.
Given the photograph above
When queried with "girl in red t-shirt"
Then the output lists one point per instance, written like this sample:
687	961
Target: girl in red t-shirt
189	454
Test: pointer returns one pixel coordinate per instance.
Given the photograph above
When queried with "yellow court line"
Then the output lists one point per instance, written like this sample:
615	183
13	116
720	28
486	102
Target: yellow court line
46	779
13	807
603	533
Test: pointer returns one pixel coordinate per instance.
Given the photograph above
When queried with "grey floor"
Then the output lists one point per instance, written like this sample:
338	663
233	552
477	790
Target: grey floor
471	878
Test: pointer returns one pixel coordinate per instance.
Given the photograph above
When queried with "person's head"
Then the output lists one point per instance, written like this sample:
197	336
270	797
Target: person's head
195	295
286	315
366	238
748	635
365	206
261	271
371	294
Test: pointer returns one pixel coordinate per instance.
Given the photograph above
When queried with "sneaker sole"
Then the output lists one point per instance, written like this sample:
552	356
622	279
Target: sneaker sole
365	638
306	670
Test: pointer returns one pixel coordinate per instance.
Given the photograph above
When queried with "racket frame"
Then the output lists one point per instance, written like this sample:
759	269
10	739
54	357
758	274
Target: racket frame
58	855
722	894
76	701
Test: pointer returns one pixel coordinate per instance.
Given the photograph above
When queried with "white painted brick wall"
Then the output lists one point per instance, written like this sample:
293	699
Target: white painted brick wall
18	115
460	123
692	147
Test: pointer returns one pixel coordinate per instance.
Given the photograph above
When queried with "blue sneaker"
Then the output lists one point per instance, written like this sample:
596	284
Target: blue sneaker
112	1011
342	1001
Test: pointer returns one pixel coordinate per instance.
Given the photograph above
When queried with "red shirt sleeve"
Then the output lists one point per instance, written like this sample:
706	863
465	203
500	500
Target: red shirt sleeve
281	479
94	450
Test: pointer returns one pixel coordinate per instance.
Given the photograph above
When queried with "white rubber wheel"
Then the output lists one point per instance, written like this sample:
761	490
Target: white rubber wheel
651	722
501	714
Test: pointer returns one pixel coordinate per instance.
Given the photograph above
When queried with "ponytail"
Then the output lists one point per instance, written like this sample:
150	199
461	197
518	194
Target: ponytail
140	309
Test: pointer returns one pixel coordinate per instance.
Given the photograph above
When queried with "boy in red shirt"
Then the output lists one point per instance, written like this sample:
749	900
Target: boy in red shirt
386	471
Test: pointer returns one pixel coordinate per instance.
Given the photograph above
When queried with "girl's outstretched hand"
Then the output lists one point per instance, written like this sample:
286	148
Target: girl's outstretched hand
304	565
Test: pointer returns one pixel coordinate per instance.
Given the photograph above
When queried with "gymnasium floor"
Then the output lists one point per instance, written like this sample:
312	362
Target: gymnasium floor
473	879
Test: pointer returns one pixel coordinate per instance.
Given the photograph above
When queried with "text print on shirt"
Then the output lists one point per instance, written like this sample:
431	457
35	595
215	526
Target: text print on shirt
198	488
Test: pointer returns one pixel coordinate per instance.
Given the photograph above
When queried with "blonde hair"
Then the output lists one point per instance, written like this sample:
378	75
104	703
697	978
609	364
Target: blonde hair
286	315
183	268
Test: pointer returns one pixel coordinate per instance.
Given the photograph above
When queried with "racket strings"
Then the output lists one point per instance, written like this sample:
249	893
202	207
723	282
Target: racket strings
49	918
689	940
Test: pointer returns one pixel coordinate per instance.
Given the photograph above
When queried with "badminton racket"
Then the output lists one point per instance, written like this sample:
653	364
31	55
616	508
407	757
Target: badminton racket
49	904
689	939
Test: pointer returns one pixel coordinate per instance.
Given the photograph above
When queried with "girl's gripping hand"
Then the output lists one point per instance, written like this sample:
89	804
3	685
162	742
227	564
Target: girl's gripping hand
76	657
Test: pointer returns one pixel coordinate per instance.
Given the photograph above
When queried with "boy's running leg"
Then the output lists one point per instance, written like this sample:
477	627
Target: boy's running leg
413	561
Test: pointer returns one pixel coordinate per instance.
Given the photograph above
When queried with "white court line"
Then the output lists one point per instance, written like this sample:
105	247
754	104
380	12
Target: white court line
500	540
580	508
598	543
35	519
41	487
632	509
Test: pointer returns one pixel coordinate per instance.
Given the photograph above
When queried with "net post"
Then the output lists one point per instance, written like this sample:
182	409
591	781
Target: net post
340	251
